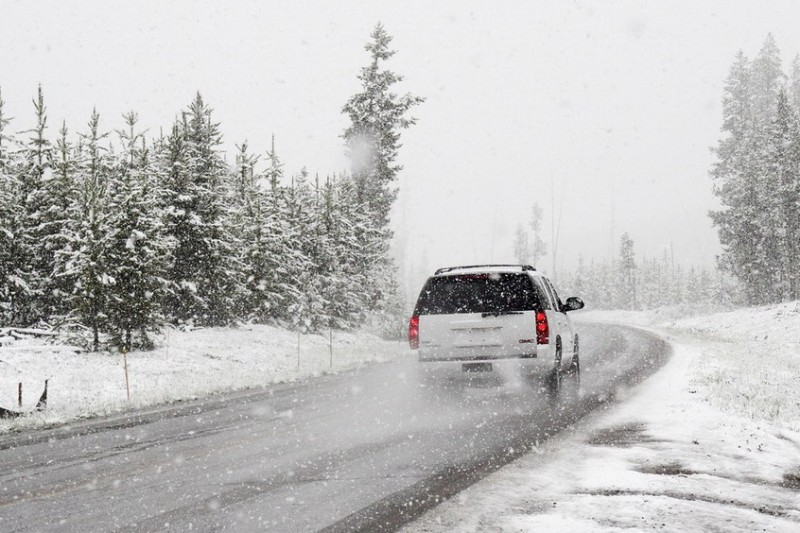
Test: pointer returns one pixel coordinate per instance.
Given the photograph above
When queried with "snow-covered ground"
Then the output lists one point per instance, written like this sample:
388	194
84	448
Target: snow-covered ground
186	365
710	443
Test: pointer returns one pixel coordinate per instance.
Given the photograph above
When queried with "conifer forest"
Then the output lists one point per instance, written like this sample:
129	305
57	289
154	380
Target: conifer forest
757	177
111	233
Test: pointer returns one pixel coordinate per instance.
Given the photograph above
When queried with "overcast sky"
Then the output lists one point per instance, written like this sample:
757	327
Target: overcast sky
602	112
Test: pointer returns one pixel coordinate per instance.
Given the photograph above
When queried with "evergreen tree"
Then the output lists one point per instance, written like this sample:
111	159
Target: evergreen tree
794	85
767	80
342	289
579	283
5	137
538	249
735	174
626	276
306	309
354	237
525	250
782	176
13	288
266	252
377	116
205	273
87	236
34	202
605	286
274	172
61	192
281	258
521	250
756	177
247	225
137	251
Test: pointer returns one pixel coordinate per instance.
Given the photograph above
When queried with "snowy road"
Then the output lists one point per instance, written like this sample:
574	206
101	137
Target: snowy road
366	450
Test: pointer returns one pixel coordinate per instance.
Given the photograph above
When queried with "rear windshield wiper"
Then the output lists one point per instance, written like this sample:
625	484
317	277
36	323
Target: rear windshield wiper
499	313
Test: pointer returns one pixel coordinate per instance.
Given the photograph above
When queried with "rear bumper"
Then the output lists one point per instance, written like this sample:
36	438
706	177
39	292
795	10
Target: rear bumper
498	367
542	354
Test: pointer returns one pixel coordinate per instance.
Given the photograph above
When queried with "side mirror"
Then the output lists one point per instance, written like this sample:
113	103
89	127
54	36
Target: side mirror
573	303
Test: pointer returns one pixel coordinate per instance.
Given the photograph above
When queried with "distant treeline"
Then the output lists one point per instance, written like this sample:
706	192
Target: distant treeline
757	176
628	283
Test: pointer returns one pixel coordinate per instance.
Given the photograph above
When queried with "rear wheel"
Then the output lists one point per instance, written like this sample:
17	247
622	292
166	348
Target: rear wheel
575	367
554	377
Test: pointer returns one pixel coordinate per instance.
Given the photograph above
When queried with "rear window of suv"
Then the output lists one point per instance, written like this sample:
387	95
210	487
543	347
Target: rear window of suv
478	293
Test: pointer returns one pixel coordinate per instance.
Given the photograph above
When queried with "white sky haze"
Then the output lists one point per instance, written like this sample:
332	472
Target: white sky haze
603	107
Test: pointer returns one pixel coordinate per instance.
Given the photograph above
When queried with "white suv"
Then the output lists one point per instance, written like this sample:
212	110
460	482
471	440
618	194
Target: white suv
495	321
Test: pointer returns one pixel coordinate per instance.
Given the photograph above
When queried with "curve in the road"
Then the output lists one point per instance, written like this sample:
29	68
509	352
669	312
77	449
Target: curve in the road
646	354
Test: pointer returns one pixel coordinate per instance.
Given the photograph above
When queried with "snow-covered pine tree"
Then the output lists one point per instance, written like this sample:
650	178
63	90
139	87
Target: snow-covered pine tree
794	85
768	79
87	236
330	225
705	286
782	177
137	253
626	274
735	175
221	273
344	225
538	249
14	289
377	116
677	285
693	289
61	190
265	252
34	202
6	139
281	255
325	226
755	160
579	280
604	286
521	249
246	222
274	172
306	306
181	225
205	274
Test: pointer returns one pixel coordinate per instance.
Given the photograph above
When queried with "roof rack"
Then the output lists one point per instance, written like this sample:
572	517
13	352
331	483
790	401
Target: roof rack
524	268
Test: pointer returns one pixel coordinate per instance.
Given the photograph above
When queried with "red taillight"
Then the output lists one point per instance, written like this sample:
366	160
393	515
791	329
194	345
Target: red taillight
542	329
413	332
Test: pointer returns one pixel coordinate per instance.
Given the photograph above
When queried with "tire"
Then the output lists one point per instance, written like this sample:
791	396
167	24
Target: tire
555	376
575	367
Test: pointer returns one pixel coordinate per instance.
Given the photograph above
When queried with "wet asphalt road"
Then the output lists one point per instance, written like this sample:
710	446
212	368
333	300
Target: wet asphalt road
367	450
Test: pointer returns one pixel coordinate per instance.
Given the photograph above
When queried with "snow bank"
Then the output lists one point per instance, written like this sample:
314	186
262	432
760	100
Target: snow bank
185	365
750	358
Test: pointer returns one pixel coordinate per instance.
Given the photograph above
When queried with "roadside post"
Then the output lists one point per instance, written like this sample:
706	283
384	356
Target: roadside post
125	364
